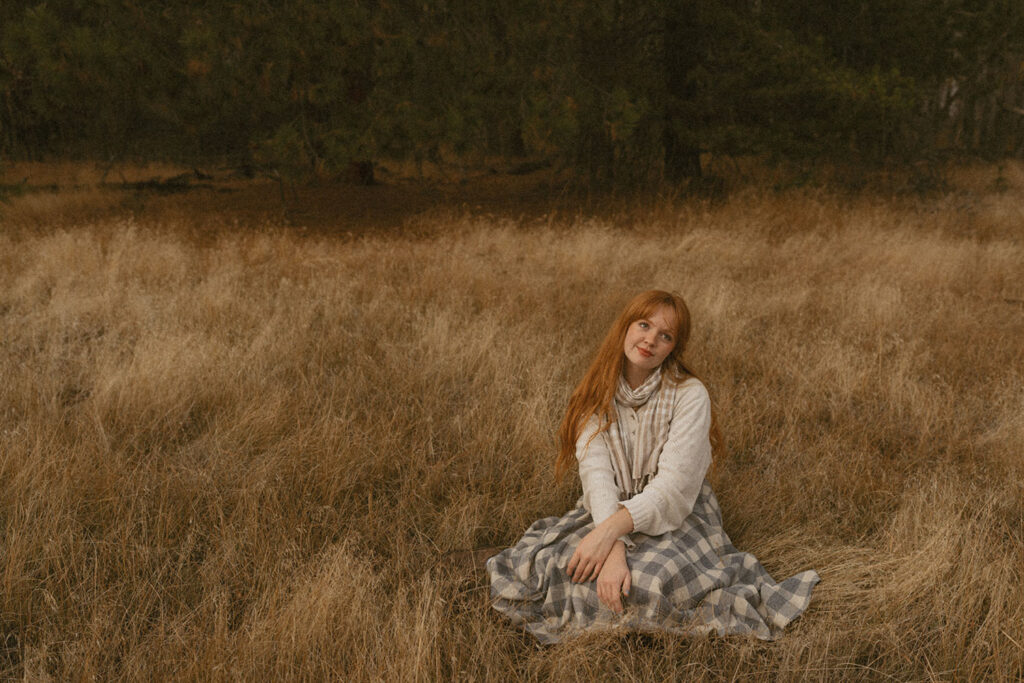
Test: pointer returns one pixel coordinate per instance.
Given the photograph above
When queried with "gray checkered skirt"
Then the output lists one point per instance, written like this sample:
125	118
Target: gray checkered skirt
690	581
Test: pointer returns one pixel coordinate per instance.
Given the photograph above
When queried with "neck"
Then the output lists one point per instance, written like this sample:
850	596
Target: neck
635	376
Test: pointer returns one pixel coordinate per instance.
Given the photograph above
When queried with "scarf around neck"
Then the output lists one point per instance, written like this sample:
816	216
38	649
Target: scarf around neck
639	431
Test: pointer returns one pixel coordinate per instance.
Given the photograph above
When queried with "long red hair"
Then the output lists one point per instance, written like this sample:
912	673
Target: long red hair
595	393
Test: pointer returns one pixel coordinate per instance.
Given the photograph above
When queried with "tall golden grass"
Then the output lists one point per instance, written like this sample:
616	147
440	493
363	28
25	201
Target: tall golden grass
247	453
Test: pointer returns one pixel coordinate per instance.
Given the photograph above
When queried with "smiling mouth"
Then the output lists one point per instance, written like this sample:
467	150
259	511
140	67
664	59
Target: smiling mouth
644	352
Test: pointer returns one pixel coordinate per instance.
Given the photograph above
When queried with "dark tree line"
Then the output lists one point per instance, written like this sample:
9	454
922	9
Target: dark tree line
621	91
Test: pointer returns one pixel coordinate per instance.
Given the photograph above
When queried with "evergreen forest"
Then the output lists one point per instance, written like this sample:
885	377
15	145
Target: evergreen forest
623	92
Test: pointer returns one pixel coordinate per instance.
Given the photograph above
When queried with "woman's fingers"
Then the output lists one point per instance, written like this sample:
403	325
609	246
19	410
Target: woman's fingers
587	558
583	571
577	567
618	591
626	583
608	594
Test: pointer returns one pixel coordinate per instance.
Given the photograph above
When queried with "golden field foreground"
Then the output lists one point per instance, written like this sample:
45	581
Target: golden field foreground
241	451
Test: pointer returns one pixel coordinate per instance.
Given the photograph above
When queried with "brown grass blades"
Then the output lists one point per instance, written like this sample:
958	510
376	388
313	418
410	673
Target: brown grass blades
247	455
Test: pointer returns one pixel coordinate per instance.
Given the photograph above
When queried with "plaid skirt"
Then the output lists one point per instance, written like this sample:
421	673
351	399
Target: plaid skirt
690	580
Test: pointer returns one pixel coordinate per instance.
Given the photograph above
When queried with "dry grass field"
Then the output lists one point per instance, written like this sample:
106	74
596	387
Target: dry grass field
235	449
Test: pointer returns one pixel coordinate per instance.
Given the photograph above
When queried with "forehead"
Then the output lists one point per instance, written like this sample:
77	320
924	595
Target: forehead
663	317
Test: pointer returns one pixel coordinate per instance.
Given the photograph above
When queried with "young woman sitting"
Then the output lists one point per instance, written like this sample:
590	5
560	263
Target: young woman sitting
644	549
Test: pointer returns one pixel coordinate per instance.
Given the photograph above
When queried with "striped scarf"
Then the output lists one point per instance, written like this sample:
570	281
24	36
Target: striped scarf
648	410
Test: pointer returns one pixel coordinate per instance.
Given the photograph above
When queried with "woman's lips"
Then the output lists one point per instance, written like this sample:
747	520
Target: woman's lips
644	352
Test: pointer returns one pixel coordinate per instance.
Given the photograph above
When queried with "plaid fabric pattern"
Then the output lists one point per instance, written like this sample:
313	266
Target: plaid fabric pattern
690	580
636	460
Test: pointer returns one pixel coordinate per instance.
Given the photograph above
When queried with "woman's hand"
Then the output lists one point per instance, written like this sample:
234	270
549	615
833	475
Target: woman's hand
614	579
589	556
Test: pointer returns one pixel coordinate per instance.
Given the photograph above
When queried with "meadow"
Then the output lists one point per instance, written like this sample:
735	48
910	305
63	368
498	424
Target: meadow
235	449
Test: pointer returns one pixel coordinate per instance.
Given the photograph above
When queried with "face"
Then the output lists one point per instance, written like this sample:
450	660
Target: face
649	341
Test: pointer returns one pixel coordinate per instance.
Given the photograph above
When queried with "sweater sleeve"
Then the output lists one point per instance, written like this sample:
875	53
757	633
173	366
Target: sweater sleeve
600	495
669	497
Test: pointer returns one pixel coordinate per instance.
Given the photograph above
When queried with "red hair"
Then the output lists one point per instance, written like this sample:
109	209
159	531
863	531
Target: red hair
595	393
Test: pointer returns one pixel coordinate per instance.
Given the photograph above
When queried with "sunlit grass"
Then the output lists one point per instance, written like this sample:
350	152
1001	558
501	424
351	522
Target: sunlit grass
247	455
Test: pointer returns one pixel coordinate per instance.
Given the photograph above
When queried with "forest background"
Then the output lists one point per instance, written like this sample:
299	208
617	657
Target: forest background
617	92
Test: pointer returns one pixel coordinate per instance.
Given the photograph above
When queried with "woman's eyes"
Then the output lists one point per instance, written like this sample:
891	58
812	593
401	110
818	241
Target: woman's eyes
643	325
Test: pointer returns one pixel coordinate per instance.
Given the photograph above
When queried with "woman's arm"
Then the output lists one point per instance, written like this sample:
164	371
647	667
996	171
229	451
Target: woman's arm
601	498
614	580
600	494
669	497
590	555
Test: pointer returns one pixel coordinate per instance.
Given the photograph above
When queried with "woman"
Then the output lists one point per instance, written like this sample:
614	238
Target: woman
644	549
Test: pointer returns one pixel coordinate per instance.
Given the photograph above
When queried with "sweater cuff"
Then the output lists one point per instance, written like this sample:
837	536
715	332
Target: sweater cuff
640	510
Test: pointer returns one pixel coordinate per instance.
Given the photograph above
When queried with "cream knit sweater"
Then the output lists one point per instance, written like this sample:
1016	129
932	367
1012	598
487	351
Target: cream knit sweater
669	497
